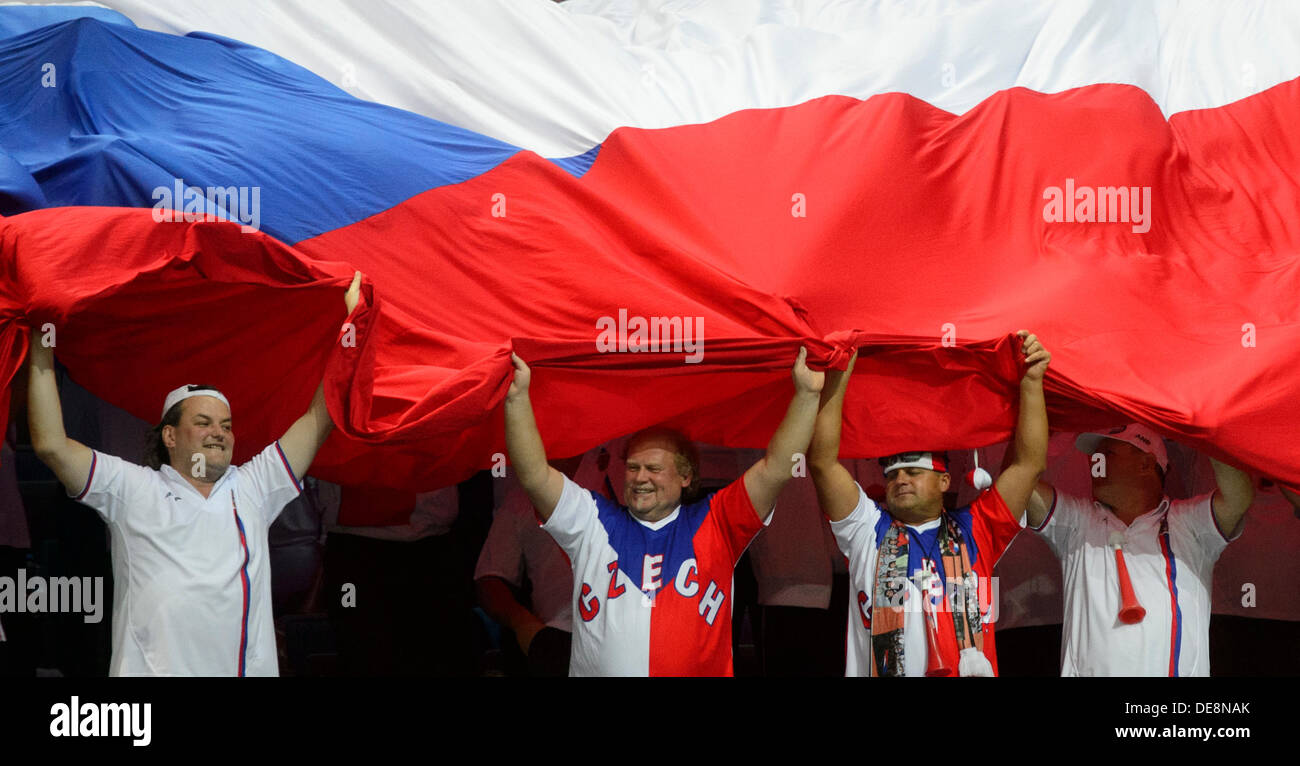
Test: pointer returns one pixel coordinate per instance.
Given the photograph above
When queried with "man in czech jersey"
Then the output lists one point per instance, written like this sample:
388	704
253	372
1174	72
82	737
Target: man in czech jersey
652	577
920	575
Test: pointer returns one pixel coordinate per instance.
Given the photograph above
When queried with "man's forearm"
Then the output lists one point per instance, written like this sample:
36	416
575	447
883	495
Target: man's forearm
1018	481
69	459
792	435
837	492
824	449
320	414
304	438
44	412
524	443
766	478
1031	428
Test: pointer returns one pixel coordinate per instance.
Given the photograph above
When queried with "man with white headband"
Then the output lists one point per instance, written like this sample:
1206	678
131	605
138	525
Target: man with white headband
1137	566
192	592
921	593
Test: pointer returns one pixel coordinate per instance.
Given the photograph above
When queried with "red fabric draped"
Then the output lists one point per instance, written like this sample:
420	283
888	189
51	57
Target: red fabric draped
916	223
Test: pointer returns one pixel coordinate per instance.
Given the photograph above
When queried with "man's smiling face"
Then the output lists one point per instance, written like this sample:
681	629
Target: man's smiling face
204	429
653	486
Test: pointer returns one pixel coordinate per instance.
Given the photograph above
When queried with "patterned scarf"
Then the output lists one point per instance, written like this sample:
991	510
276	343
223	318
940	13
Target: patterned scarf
961	622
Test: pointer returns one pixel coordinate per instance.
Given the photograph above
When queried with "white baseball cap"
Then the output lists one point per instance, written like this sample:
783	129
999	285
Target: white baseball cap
189	390
1136	434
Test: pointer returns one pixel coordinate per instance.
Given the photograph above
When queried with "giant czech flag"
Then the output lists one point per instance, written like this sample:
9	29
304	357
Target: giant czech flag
656	207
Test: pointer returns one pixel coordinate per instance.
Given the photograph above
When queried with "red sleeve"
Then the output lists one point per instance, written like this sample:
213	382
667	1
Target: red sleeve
993	525
733	516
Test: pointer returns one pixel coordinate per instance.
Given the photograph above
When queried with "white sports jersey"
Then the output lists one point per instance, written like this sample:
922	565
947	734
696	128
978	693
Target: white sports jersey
1169	553
652	599
192	593
988	528
516	546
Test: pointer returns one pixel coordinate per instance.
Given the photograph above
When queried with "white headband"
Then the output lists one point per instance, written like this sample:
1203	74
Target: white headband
187	391
930	461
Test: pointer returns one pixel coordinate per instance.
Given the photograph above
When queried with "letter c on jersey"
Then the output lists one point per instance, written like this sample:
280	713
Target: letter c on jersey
685	582
588	605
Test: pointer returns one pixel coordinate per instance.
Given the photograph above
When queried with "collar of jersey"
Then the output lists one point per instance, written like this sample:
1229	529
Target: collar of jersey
172	476
656	525
926	527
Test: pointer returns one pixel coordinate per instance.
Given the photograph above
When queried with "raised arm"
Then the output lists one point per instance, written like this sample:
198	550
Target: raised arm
69	459
837	492
543	483
765	479
309	432
1236	493
1018	483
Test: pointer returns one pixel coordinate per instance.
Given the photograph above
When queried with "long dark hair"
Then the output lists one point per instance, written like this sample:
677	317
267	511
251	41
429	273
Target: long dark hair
156	454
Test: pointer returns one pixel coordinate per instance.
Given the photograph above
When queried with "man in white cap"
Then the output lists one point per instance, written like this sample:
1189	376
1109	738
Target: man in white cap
921	600
192	591
1137	566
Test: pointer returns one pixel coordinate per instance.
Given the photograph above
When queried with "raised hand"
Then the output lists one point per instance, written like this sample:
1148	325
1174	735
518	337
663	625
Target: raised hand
523	376
1036	356
353	295
837	380
804	378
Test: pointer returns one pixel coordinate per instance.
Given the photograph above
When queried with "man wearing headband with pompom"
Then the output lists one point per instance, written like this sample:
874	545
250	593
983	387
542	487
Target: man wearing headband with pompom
920	575
1137	566
192	593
